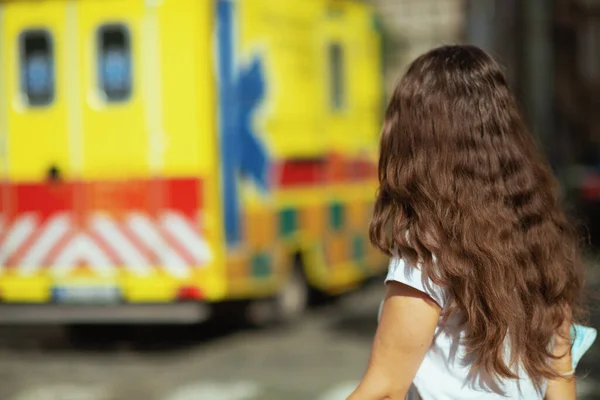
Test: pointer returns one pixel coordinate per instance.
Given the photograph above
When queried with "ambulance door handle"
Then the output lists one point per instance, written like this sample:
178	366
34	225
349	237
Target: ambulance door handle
53	174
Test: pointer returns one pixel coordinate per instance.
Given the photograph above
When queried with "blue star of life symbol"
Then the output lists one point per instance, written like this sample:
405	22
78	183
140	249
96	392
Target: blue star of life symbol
241	91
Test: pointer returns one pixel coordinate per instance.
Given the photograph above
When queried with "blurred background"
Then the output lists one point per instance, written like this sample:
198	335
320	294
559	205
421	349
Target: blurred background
185	185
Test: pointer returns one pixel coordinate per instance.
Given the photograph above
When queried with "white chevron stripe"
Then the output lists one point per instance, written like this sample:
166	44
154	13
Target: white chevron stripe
17	234
82	248
182	230
146	231
132	258
53	232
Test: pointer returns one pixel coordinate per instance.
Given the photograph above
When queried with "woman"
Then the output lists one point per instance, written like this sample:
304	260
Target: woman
485	279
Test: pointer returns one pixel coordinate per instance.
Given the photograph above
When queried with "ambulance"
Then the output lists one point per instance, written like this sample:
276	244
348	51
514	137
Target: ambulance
159	158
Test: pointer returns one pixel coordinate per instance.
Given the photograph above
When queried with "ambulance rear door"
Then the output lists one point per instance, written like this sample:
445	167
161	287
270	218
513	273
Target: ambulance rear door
36	137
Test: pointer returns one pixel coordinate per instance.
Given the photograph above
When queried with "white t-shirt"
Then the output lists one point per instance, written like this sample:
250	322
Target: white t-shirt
444	373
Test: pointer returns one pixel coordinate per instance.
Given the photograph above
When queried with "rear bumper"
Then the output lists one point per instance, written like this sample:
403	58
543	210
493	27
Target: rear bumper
170	313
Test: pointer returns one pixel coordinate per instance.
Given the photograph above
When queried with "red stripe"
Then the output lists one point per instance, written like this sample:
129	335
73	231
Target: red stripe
106	249
20	252
147	252
183	195
113	253
337	169
363	170
334	168
8	224
117	197
177	247
302	172
4	213
58	247
43	198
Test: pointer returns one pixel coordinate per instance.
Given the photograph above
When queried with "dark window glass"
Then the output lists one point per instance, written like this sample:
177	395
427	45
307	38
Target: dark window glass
37	67
336	76
114	61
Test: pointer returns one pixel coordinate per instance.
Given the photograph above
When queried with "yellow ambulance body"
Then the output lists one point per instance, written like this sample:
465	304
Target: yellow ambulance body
160	156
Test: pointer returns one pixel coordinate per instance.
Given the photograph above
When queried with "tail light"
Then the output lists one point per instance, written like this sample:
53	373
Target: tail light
186	293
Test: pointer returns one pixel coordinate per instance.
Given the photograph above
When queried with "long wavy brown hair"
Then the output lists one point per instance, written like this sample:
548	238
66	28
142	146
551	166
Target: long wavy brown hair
464	190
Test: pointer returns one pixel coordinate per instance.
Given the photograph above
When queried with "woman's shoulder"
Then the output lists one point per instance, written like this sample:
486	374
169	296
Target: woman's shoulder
412	275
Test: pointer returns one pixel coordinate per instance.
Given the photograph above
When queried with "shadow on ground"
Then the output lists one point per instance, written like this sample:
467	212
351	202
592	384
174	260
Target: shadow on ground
357	314
139	338
361	325
111	338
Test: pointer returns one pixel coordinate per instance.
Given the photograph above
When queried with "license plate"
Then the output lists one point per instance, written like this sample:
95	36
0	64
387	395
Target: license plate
87	294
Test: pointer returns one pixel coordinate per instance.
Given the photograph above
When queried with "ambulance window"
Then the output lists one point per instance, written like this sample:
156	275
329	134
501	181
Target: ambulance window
336	76
37	67
114	62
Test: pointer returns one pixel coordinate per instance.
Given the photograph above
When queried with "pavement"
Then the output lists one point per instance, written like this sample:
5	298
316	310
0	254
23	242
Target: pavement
321	358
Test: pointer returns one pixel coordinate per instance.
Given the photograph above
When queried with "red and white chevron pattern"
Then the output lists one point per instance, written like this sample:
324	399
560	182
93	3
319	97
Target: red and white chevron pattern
136	242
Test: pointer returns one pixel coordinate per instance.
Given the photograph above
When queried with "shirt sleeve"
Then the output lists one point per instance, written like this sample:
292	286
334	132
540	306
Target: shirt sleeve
400	271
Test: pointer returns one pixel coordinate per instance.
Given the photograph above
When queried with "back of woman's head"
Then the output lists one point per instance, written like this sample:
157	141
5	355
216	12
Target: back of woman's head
461	179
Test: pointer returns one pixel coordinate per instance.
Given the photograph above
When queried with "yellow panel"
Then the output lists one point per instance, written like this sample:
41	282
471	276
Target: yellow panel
353	128
344	278
365	85
153	289
284	34
25	290
38	136
117	135
318	195
187	92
